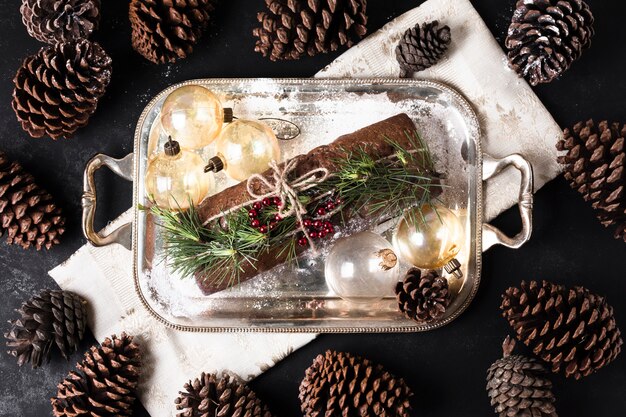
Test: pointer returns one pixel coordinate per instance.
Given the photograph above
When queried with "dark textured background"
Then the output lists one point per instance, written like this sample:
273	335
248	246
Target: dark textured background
446	367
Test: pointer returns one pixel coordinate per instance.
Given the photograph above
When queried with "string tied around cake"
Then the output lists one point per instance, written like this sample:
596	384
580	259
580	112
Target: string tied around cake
288	190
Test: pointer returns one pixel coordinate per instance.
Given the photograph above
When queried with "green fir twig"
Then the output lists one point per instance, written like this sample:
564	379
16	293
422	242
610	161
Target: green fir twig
385	186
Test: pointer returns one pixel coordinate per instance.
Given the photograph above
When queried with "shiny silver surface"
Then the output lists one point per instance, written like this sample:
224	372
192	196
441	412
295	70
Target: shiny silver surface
292	299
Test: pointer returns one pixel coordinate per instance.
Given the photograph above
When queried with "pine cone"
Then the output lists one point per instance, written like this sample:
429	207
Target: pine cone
57	90
291	29
27	213
594	165
53	21
52	317
421	47
573	330
518	386
423	297
340	384
166	30
219	396
105	382
546	36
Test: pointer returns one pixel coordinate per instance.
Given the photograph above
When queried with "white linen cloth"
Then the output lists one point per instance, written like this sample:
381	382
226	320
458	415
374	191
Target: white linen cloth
513	121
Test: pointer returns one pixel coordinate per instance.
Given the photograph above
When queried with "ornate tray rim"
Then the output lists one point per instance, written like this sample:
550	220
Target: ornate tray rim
409	328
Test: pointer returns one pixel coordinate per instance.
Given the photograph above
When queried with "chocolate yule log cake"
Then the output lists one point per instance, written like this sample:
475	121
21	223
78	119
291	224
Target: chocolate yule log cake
379	140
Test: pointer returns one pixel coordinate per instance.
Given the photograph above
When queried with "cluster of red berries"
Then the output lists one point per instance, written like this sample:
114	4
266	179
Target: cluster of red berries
318	229
257	209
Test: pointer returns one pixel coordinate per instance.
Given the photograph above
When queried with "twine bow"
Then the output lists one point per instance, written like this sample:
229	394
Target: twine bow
288	190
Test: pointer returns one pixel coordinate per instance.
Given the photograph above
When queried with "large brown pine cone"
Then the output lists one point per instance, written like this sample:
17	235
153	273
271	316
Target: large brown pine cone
105	382
340	384
223	396
51	318
594	166
547	36
423	297
166	30
291	29
573	330
518	386
57	90
28	215
53	21
421	47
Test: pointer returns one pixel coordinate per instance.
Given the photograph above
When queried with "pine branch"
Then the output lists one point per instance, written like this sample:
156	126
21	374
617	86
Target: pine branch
387	186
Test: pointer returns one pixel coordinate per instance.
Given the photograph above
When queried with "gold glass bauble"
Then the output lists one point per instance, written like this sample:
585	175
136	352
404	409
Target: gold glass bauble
246	147
193	116
428	236
175	179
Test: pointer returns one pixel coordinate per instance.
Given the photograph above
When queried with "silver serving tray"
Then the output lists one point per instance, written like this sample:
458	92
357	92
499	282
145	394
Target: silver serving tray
291	299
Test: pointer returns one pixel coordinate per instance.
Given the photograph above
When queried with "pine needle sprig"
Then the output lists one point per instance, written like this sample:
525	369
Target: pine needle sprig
222	249
386	186
193	248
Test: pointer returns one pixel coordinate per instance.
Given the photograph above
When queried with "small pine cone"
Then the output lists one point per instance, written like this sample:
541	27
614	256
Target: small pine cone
573	330
291	29
164	30
518	386
423	297
340	384
211	395
421	47
50	318
53	21
105	382
546	36
27	213
57	90
594	166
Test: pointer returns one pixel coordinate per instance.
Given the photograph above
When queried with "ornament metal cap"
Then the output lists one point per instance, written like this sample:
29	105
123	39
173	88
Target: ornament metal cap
454	268
228	115
171	147
215	164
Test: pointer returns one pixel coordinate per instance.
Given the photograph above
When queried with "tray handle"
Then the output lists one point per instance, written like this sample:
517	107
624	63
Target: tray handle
492	167
123	168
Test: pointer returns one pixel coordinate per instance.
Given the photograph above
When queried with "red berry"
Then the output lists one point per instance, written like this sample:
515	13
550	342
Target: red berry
328	224
321	211
313	235
318	224
263	229
307	222
277	201
253	213
338	201
322	234
257	205
255	223
278	217
272	225
267	201
303	241
330	206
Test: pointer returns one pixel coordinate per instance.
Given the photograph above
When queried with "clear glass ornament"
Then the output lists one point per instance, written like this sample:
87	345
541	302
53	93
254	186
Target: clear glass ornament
362	268
175	178
193	116
244	148
429	237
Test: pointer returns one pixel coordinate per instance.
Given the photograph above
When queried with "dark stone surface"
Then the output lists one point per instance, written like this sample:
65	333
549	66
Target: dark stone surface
445	367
